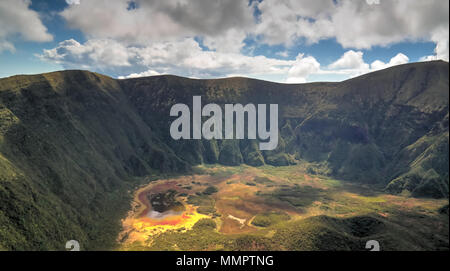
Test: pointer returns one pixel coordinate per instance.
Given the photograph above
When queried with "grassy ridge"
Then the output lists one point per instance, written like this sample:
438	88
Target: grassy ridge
70	146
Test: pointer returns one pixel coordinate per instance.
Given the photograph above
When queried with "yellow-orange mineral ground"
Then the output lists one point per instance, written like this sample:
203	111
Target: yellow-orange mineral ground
142	222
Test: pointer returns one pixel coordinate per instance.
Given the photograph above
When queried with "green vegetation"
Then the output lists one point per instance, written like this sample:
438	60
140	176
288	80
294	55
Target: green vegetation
298	196
73	144
269	219
68	157
205	224
427	175
204	202
210	190
311	234
333	215
262	180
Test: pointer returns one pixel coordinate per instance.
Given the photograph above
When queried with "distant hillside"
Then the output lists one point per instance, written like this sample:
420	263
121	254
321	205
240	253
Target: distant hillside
387	127
72	142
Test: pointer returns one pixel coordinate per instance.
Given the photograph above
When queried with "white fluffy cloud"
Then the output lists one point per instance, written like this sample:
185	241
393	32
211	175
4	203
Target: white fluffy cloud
16	18
182	57
352	64
141	74
94	54
354	24
396	60
440	37
349	65
222	23
186	58
351	60
302	68
149	37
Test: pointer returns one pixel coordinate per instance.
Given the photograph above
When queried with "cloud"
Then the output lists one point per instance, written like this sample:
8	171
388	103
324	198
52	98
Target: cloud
349	65
73	2
16	18
440	37
182	57
352	64
354	24
302	68
284	53
206	38
396	60
283	22
186	57
350	60
141	74
223	23
6	46
373	2
231	41
94	54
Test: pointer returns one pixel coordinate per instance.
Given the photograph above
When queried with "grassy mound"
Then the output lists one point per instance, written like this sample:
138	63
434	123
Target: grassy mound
270	218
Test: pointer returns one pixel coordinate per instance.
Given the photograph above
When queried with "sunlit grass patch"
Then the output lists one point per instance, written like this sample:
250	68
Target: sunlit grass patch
270	218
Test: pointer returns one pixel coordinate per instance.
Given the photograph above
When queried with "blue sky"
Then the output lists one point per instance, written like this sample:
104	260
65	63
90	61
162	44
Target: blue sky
290	41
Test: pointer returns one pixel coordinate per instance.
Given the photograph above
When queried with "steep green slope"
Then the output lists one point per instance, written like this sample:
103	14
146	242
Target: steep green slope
364	129
72	143
69	143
